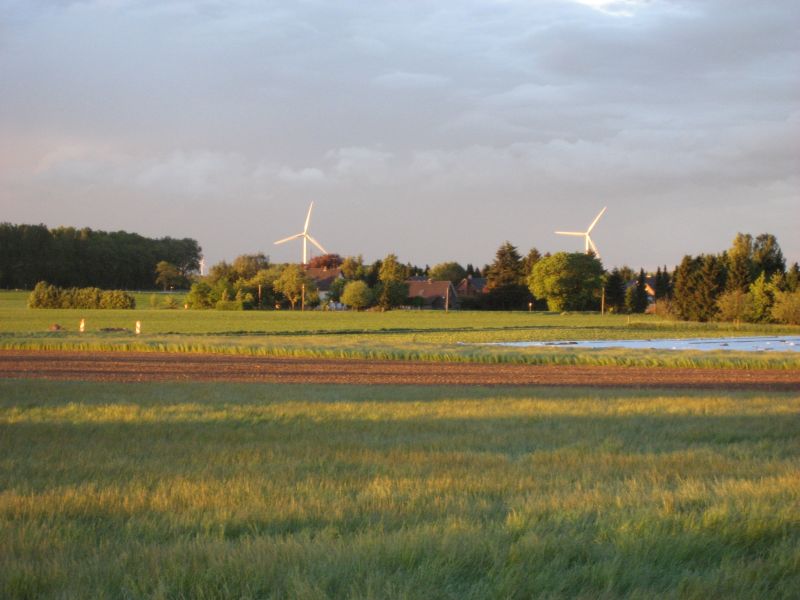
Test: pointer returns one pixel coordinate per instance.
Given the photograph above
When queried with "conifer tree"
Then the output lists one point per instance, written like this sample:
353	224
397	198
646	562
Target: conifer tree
506	278
615	291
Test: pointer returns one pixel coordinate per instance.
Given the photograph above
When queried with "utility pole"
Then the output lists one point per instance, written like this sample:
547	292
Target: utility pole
303	297
447	300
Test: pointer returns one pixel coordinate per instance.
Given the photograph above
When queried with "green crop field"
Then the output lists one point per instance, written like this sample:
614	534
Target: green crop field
405	335
268	491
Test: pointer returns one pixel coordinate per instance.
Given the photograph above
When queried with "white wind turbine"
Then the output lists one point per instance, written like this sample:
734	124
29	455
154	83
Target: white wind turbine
306	238
585	234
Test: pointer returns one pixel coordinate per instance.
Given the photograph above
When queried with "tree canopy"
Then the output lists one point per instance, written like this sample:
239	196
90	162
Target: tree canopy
568	281
505	280
71	257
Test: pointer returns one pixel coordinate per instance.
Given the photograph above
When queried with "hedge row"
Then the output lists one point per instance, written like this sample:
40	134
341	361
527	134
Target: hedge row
45	295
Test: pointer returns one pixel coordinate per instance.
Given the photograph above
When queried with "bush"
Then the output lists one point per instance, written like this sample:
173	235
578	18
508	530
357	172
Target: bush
357	295
735	305
229	305
787	308
199	296
45	295
117	299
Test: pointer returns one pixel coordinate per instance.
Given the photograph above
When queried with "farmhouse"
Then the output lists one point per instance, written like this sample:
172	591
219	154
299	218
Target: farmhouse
432	294
323	278
470	286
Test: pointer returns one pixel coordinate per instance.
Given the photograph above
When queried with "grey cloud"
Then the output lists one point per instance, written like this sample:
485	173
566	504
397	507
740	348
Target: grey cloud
499	117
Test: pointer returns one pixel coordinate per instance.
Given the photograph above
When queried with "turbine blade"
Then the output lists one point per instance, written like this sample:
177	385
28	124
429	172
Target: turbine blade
316	243
596	219
308	217
570	233
290	238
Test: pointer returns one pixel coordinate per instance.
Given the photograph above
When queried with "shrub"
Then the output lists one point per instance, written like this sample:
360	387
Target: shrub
787	308
357	295
735	305
229	305
199	295
117	299
45	295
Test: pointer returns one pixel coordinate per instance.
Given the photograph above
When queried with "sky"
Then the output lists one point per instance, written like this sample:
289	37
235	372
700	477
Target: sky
435	130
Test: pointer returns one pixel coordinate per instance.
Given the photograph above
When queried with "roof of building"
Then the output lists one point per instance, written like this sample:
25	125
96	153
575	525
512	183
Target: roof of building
323	277
471	283
430	289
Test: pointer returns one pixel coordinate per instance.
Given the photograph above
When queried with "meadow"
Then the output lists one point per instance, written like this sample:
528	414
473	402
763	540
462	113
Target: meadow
267	491
404	335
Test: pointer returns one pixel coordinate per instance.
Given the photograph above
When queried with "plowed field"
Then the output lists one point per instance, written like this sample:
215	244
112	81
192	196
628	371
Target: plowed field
131	367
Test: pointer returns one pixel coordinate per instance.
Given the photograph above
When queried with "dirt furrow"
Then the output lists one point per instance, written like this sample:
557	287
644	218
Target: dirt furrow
137	367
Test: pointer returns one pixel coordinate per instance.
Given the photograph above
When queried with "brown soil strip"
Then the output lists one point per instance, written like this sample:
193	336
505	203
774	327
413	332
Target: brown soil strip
137	366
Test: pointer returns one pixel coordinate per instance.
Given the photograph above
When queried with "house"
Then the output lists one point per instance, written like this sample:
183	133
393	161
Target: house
432	294
323	278
471	287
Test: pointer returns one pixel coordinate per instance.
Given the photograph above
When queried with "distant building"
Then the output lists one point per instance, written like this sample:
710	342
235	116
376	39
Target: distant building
323	278
470	286
432	294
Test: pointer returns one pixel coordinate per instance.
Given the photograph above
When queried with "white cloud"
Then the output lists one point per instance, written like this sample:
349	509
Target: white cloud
616	8
301	176
367	164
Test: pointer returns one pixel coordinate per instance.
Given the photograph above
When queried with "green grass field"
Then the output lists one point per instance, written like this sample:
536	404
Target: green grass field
405	335
268	491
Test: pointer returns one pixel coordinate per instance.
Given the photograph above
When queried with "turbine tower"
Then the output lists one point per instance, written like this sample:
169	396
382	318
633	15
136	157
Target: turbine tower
306	238
589	243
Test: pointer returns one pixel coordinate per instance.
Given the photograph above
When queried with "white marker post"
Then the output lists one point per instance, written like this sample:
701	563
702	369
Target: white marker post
82	326
138	327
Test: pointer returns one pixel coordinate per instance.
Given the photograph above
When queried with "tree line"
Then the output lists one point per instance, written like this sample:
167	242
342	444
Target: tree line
69	257
748	282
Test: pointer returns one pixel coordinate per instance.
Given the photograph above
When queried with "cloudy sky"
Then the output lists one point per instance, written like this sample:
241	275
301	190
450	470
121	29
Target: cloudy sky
432	129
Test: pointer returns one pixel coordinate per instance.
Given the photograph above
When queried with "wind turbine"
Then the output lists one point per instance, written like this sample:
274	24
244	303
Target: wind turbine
585	234
306	237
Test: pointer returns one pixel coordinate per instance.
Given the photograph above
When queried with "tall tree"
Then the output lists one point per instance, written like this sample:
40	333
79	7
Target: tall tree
569	281
292	283
767	256
505	280
615	291
636	296
391	270
326	261
169	276
739	263
793	278
353	268
662	283
684	286
530	260
247	265
447	271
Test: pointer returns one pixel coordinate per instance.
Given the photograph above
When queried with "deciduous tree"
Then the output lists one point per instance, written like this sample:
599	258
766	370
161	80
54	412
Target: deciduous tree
568	281
357	295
